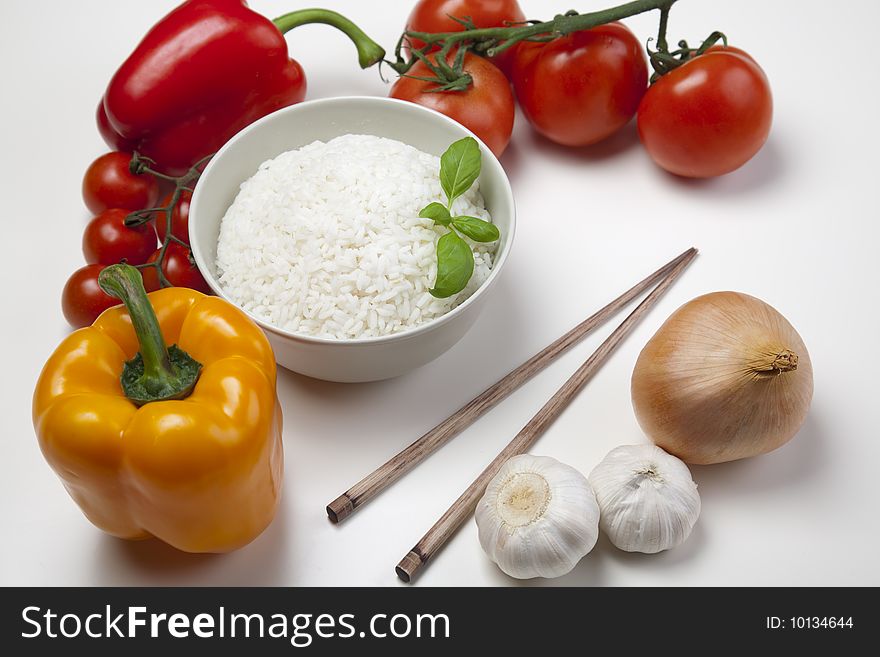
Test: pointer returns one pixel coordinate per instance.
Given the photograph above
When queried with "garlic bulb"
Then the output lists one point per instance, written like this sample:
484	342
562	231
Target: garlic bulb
538	518
648	501
726	377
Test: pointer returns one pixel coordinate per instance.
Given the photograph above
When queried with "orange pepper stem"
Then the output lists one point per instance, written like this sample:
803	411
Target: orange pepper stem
156	373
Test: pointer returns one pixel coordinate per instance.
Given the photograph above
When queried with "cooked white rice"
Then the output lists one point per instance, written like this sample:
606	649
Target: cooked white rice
326	240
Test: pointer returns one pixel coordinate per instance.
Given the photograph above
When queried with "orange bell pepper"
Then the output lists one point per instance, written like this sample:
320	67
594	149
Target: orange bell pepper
183	444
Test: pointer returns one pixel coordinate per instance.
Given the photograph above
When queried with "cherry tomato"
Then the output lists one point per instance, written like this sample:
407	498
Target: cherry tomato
709	116
179	217
486	108
107	240
579	89
83	299
179	268
436	16
109	184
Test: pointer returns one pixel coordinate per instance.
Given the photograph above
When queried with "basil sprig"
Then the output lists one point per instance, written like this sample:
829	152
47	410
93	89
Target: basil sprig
459	170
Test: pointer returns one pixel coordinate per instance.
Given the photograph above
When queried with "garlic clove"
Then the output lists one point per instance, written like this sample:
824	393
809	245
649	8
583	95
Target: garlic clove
538	517
647	498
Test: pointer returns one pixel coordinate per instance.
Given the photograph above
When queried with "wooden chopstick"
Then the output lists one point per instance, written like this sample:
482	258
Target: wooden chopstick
407	459
445	527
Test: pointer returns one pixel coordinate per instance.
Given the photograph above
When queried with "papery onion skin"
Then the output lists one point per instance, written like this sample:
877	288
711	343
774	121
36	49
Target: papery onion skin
726	377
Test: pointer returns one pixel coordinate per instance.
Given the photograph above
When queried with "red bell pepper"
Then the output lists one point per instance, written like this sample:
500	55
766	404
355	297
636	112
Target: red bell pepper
204	72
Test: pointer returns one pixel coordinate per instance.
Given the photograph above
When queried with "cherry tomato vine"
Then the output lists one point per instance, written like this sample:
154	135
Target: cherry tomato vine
492	41
183	185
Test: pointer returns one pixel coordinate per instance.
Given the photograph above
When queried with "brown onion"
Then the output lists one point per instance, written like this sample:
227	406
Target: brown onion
725	377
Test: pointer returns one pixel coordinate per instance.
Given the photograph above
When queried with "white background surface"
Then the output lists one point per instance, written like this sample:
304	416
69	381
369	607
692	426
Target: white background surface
797	227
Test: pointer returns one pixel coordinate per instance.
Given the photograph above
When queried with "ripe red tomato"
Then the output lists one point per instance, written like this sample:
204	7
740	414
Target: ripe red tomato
709	116
109	184
179	217
486	108
435	16
179	268
107	240
83	299
581	88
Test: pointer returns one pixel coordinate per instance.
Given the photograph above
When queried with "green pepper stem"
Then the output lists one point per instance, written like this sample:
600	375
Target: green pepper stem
125	283
159	375
369	52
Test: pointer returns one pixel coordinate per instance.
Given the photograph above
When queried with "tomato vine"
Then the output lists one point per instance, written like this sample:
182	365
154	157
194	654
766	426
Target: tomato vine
491	41
141	165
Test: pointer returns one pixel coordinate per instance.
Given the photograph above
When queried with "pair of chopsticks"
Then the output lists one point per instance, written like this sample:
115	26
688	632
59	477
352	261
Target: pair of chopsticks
375	482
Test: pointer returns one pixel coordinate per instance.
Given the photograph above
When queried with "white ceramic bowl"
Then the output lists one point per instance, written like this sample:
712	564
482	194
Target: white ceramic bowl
365	359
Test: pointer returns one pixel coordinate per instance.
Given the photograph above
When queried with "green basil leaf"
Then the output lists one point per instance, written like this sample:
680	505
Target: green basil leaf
477	229
437	212
459	167
455	264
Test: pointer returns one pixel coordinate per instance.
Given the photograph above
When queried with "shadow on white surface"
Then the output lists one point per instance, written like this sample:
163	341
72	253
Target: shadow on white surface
594	569
588	572
362	437
456	381
512	160
119	562
499	332
797	463
621	141
765	171
316	391
341	82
